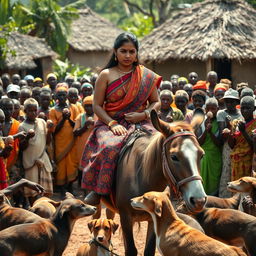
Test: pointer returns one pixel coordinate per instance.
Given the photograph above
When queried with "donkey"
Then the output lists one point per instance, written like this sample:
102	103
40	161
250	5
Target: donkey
169	157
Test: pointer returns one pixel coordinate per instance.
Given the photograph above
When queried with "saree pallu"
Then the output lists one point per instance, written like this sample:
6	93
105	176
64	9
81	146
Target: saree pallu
211	163
242	154
127	94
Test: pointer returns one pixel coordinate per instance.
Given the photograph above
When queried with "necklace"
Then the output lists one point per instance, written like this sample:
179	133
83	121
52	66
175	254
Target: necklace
124	72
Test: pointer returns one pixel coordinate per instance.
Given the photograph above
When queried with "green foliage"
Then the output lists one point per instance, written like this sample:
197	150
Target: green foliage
5	31
51	21
138	24
64	68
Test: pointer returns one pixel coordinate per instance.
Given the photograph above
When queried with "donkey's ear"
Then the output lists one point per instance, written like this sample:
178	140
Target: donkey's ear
197	120
160	125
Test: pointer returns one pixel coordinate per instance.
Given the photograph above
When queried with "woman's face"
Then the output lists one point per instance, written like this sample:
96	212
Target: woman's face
126	54
231	104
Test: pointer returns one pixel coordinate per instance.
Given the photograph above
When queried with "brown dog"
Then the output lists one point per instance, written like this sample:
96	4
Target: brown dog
174	237
102	230
10	216
246	186
44	207
46	237
230	226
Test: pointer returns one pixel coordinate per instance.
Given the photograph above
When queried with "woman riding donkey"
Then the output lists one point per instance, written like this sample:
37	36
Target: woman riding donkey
125	93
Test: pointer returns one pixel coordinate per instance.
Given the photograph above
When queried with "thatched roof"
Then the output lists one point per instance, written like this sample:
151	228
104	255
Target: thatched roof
91	32
27	49
210	29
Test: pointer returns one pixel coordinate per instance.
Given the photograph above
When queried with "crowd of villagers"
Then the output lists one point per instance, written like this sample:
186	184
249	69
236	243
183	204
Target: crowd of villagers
44	127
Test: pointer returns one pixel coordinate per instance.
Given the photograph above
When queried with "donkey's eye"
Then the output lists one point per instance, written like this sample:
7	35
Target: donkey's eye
174	158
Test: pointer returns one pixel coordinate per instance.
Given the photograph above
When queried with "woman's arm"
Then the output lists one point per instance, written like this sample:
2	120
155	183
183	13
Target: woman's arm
98	101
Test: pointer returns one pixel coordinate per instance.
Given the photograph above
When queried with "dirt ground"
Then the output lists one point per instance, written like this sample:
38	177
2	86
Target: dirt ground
81	233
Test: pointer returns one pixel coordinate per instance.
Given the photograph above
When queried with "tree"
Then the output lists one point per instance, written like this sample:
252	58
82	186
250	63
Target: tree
52	21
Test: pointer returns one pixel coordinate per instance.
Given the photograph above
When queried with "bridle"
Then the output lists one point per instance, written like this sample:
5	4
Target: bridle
166	168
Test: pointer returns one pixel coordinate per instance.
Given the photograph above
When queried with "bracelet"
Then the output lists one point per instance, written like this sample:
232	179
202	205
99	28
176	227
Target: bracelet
111	123
147	114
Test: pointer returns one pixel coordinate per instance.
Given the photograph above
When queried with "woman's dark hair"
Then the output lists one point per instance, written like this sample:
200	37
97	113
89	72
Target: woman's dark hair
125	37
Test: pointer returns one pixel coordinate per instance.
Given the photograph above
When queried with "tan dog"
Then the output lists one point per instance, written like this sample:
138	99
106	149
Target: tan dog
10	216
246	186
100	245
44	207
174	237
45	237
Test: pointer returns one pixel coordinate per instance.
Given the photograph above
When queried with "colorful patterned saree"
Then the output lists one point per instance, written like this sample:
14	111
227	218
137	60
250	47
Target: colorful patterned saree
242	154
127	94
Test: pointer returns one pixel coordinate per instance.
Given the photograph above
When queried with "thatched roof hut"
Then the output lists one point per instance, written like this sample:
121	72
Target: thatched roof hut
214	34
29	52
91	39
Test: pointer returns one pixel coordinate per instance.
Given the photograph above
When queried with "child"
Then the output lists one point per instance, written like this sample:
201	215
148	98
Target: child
45	101
167	113
211	163
83	127
198	99
73	99
86	90
241	141
181	101
5	150
11	127
35	160
231	100
63	116
18	114
25	93
36	93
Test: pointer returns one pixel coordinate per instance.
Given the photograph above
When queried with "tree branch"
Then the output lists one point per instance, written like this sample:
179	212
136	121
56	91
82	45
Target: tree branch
137	7
151	4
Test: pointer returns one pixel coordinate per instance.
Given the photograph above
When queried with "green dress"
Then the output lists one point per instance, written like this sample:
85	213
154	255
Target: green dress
211	163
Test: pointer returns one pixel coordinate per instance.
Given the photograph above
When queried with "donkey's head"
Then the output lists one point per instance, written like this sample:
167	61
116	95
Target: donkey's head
181	160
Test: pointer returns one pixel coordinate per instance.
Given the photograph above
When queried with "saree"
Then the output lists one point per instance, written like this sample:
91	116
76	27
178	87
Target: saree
3	170
242	154
128	93
211	163
64	150
11	160
35	160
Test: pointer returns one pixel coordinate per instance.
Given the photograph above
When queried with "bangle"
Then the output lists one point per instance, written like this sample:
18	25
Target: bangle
147	113
111	123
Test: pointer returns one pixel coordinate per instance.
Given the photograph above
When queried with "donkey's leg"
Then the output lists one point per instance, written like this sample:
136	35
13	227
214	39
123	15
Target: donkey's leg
150	247
126	223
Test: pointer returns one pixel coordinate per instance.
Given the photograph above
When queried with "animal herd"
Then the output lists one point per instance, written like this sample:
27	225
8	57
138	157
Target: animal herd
220	229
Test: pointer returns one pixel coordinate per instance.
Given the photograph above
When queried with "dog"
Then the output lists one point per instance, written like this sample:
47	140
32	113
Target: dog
230	226
10	216
44	207
246	186
46	237
100	245
173	236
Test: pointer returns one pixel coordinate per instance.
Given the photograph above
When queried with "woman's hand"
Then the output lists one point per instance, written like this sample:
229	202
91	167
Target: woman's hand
118	129
134	117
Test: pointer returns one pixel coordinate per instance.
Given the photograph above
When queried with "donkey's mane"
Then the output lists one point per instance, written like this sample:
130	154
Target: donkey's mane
149	149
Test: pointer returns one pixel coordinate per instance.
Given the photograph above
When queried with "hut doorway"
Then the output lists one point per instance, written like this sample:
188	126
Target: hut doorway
38	71
223	68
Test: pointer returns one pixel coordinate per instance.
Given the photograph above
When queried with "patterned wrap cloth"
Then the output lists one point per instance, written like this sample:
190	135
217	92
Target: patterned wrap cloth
127	94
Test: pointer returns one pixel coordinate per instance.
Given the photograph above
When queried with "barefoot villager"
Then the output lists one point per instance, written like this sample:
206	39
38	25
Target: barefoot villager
125	93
